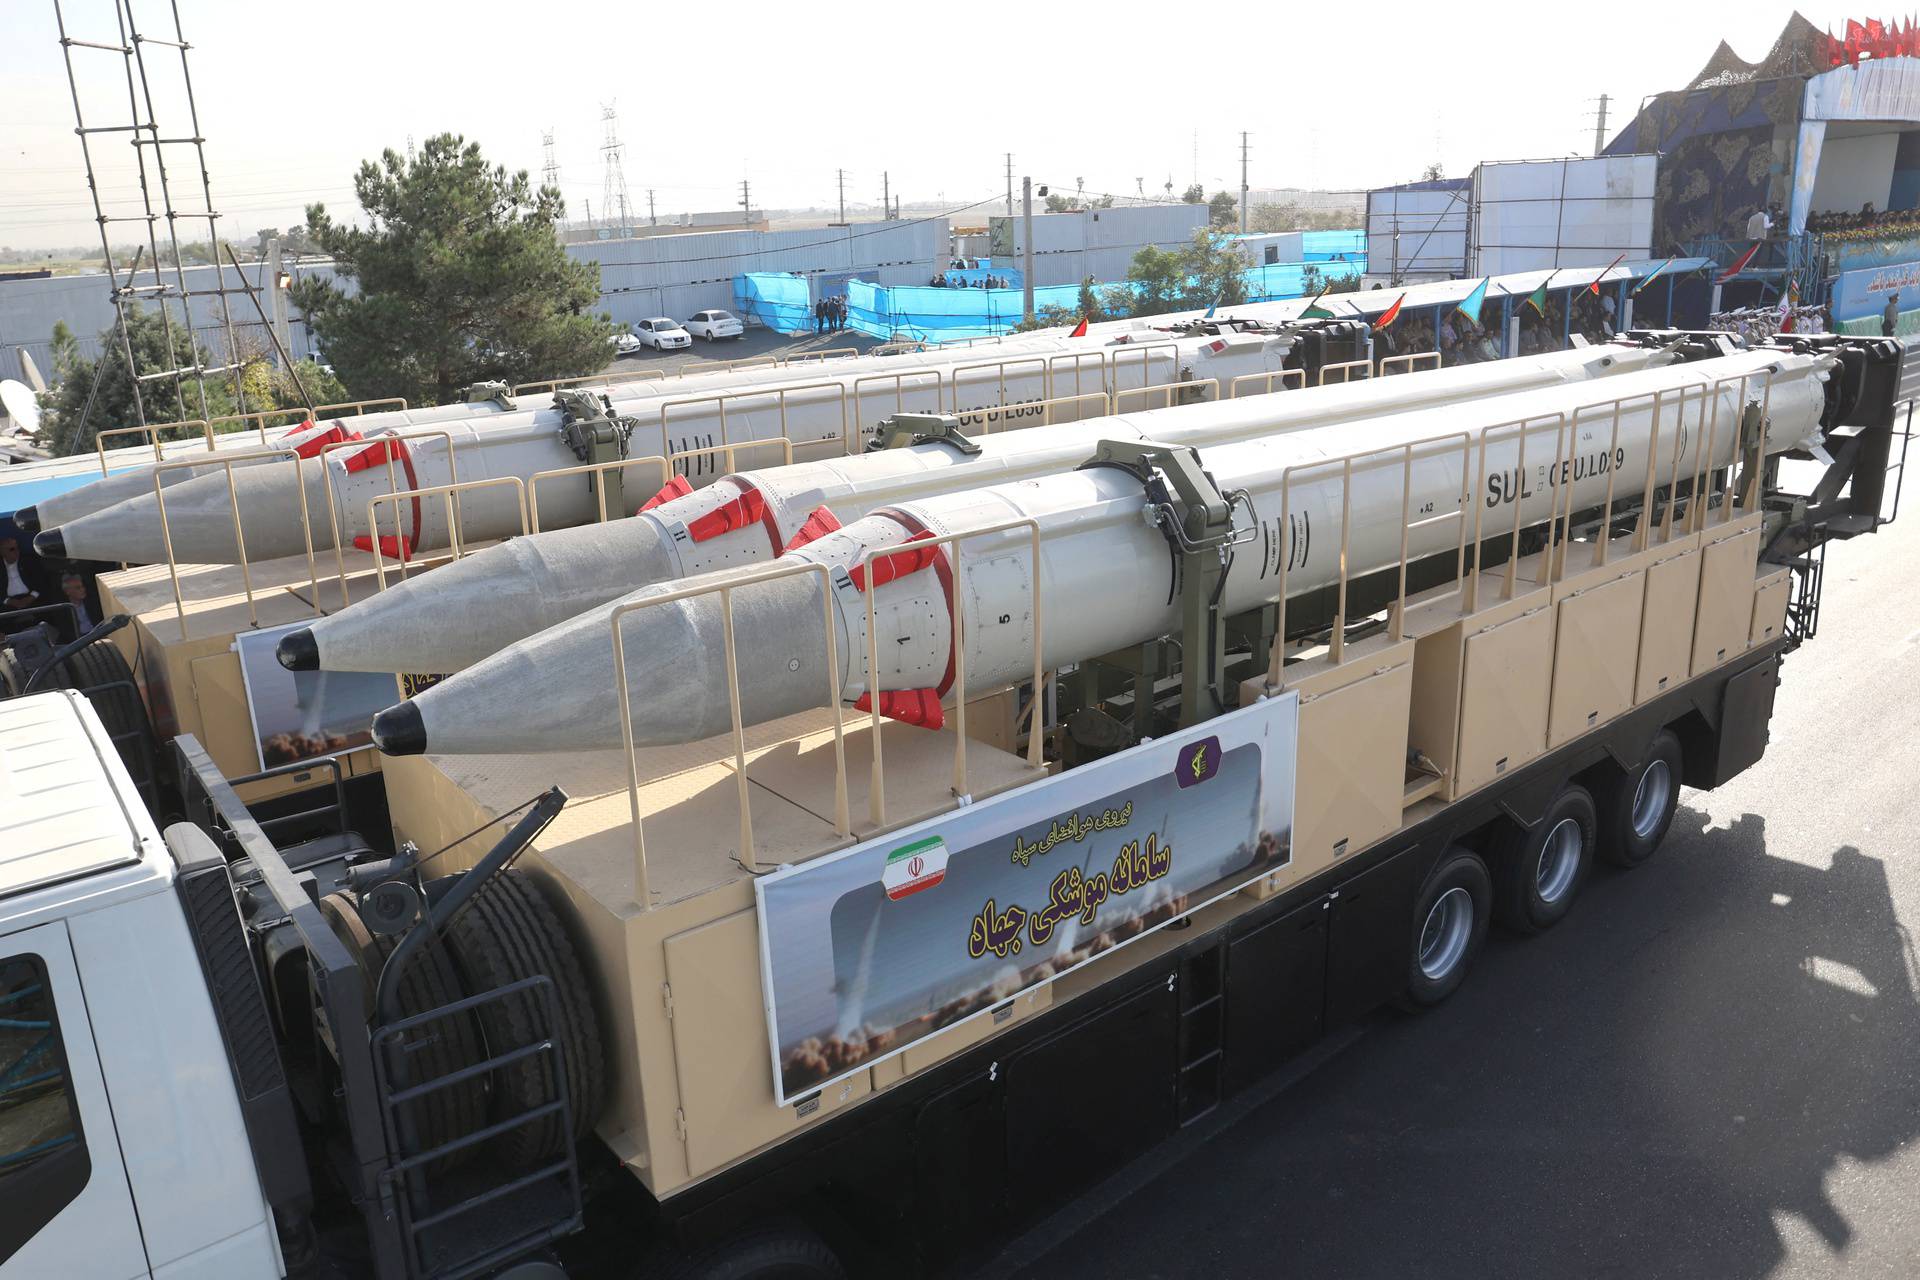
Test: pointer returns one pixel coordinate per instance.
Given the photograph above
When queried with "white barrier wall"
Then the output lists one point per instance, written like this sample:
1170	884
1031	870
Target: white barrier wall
1418	231
1529	215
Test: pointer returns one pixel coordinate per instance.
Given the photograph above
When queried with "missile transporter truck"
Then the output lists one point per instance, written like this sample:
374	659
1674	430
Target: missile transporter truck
864	993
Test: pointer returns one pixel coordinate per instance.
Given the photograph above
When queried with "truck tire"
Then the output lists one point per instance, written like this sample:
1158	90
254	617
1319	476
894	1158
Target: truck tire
506	933
1449	924
120	709
1539	870
433	1049
1638	808
775	1252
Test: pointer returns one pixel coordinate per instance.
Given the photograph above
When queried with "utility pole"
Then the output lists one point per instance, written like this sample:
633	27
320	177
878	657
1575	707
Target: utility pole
1243	182
886	195
1026	248
842	175
613	176
550	168
746	201
1600	127
1009	184
652	220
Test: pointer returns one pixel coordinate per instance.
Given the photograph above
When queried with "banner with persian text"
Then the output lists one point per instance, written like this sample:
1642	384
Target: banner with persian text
869	950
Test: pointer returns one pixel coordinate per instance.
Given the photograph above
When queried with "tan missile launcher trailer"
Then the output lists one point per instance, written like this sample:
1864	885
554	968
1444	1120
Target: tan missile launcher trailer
843	991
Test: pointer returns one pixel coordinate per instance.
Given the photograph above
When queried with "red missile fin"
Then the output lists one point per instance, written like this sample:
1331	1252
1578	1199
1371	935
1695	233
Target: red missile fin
920	707
336	433
896	565
376	453
678	487
728	516
820	523
391	547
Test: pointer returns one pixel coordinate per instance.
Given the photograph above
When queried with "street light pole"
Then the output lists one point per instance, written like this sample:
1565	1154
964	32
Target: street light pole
1026	249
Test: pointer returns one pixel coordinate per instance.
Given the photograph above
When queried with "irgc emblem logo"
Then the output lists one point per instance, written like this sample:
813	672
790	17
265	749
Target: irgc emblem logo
1198	762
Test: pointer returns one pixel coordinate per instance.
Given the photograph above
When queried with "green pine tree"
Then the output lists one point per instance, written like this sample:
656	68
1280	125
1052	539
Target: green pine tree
460	279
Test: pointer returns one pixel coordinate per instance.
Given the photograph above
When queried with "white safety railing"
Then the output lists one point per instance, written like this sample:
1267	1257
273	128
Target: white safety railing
1266	381
1408	363
227	461
449	494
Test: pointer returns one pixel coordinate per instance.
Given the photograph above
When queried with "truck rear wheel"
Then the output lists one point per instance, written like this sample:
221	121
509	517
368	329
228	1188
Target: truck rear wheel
507	933
775	1252
431	1050
1540	870
1449	924
1637	809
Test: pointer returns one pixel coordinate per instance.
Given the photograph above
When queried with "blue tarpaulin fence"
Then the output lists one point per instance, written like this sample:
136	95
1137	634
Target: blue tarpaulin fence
927	314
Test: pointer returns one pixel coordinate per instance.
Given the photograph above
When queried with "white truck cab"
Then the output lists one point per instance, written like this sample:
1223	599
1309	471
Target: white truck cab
123	1149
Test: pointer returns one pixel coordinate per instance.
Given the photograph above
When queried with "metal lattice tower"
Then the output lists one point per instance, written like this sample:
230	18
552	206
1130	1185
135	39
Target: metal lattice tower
151	150
613	183
550	164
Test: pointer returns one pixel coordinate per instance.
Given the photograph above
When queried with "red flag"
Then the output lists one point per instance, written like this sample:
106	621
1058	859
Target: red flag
1594	288
1876	38
1391	314
1836	53
1856	39
1079	330
1741	265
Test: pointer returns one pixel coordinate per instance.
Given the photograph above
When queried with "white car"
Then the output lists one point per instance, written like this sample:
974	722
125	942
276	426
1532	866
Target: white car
715	324
662	334
623	343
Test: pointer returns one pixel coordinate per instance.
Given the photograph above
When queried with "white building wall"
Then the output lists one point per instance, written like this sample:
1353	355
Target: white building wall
1069	247
1417	234
1530	215
1854	171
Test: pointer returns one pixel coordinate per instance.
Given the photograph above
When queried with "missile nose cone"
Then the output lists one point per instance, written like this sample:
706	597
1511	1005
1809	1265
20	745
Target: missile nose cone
51	543
28	519
298	651
399	731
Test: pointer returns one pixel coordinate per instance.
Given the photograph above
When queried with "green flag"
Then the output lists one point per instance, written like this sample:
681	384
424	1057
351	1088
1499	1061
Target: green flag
1538	298
1471	304
1314	310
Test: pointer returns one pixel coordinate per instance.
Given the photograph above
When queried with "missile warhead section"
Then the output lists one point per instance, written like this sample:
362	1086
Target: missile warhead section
461	613
1105	577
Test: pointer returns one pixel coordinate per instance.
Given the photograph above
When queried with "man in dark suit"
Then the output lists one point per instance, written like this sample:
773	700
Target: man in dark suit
23	583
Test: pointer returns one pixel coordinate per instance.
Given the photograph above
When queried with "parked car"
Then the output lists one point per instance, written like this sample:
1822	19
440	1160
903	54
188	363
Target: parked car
715	324
623	343
662	334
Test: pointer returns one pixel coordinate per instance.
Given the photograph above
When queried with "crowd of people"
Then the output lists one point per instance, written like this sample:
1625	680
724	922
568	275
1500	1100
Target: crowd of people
830	314
1866	224
944	281
1757	324
32	583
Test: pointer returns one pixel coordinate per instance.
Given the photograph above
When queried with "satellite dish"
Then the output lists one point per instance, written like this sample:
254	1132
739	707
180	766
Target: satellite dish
21	405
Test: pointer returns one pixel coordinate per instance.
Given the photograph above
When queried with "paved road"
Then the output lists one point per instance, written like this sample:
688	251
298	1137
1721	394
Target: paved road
1711	1069
754	342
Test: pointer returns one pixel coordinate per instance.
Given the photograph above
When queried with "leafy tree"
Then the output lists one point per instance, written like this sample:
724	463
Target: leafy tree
1046	318
1432	173
461	279
70	427
1223	209
1195	194
1089	301
1292	217
1206	271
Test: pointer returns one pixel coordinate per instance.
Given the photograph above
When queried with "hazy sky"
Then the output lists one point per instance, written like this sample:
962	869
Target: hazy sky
292	97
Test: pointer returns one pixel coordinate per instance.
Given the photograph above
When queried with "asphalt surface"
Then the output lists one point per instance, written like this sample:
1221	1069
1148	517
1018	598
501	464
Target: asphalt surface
754	342
1710	1068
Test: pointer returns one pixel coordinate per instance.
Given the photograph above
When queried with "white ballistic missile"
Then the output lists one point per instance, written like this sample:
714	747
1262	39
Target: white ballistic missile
308	438
1105	575
462	612
818	416
136	480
